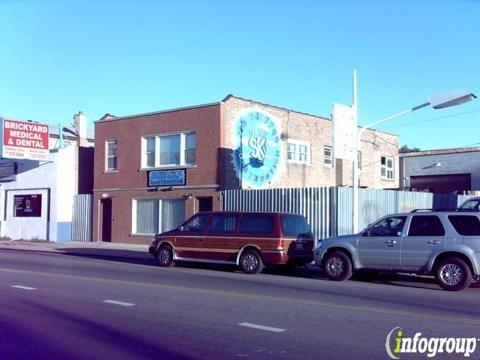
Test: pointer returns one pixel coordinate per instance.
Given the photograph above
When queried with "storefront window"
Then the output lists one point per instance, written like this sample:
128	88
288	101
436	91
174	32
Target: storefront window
155	216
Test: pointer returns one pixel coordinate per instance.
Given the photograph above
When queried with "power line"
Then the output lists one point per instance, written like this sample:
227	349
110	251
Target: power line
432	119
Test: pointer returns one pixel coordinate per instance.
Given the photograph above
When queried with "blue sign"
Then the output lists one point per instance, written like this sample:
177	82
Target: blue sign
256	155
167	177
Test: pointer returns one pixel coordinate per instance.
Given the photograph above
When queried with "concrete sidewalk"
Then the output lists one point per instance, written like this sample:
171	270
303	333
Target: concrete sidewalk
94	249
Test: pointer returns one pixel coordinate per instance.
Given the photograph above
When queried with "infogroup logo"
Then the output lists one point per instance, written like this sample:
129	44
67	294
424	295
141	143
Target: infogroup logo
397	343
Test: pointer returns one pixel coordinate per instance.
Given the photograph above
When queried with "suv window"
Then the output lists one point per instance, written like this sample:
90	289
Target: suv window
428	225
465	225
196	224
256	224
392	226
294	225
470	205
223	223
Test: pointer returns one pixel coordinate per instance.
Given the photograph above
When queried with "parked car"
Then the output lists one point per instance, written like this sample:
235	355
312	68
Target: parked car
443	244
246	239
472	204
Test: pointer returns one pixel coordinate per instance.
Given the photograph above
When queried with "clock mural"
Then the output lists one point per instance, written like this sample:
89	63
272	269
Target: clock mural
257	148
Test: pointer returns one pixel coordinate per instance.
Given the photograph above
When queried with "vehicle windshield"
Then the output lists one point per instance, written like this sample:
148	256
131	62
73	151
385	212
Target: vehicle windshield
294	225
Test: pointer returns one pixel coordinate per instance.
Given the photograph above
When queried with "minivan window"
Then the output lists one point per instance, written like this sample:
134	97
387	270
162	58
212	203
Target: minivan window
294	225
428	225
223	223
256	224
465	225
198	223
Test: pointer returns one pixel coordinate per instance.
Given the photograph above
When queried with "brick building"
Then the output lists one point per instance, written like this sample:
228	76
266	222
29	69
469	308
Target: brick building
154	170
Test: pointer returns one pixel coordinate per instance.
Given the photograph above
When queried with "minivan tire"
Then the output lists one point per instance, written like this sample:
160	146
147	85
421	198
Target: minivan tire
338	266
251	262
165	256
453	274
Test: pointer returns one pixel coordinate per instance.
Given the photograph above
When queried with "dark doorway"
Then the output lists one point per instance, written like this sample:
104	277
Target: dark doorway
205	203
106	220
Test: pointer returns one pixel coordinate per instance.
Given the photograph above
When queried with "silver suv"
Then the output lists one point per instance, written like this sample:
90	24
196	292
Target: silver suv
443	244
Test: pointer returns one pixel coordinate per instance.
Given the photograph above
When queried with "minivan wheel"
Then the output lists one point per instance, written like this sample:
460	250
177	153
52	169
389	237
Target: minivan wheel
337	266
251	262
165	256
453	274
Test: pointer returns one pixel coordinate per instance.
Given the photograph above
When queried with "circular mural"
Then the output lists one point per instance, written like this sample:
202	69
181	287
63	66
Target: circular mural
256	154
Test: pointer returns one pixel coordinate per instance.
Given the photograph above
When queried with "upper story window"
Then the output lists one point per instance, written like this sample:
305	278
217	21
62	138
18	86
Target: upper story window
359	160
169	150
327	156
111	158
298	152
386	168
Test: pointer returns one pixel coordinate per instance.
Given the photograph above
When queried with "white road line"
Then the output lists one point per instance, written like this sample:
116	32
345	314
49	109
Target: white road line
23	287
261	327
115	302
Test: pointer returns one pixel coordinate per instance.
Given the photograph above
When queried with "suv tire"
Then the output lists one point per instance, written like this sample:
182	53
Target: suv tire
251	262
165	256
338	266
453	274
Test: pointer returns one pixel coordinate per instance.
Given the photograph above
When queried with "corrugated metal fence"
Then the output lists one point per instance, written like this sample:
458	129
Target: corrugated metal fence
329	210
82	218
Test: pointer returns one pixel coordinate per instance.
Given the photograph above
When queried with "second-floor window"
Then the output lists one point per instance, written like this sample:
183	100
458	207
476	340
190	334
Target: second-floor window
327	156
169	150
386	168
111	158
298	152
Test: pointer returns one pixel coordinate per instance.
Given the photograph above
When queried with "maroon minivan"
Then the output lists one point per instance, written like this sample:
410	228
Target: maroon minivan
249	240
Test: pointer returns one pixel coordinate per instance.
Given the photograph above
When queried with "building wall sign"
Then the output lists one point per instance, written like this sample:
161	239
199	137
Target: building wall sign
24	140
29	205
257	151
167	178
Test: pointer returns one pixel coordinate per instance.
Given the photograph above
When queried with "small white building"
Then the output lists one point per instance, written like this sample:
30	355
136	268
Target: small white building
36	197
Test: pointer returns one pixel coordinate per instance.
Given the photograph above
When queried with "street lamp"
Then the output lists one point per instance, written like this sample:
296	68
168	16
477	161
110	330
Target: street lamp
438	101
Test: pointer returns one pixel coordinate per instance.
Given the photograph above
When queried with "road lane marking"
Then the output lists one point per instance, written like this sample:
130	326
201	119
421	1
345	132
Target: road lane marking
23	287
121	303
261	327
319	303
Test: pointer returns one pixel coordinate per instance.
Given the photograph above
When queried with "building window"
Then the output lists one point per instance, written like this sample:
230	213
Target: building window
111	162
359	160
169	150
327	156
386	168
298	152
153	216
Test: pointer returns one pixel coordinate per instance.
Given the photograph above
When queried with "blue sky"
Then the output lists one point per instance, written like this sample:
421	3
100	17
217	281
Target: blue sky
126	57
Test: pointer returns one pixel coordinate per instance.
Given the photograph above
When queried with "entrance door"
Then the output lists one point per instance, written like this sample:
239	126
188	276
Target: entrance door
205	203
106	219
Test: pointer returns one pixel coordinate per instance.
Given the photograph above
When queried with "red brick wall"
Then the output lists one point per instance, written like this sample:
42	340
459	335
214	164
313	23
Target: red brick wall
130	181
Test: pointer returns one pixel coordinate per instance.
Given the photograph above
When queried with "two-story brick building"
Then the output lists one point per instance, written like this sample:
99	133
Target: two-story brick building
153	170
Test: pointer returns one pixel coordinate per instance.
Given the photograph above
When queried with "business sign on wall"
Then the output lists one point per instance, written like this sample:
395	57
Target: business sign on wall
344	132
257	149
167	178
24	140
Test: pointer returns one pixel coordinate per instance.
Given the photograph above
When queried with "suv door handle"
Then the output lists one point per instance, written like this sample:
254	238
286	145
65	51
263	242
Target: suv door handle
434	242
390	242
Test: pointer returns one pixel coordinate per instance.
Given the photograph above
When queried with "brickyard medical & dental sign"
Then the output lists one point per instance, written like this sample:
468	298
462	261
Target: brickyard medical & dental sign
24	140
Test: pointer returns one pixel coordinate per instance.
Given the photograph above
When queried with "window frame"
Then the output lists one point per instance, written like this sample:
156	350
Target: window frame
182	163
327	160
386	168
414	217
160	205
297	145
108	157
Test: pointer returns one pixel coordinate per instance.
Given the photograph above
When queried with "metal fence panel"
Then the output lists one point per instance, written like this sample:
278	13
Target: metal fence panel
82	218
329	210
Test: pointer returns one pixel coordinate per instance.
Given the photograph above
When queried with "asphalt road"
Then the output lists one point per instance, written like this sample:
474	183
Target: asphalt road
66	307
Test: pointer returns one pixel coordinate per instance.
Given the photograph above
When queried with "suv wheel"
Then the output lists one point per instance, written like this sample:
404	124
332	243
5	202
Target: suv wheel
337	266
165	256
251	262
453	274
